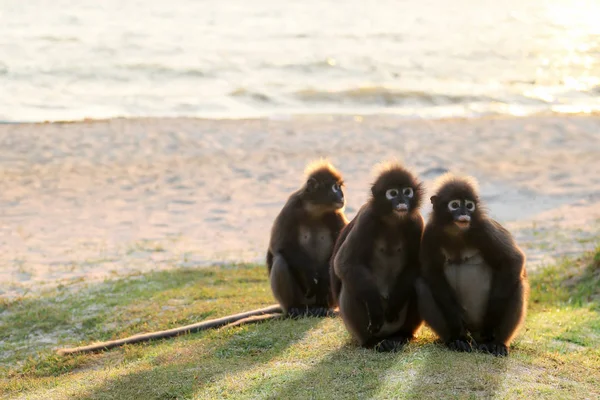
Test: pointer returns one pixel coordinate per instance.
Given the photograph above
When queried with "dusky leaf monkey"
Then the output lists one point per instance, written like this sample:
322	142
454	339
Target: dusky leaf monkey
473	291
376	263
302	240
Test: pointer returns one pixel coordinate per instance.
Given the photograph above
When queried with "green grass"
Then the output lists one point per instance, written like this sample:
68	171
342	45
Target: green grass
557	355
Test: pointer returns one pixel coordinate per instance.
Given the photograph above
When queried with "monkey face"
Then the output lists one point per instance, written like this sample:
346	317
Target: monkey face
456	202
326	192
400	199
396	190
461	211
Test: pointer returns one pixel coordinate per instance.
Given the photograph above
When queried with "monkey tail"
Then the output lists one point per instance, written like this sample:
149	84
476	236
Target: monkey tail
248	317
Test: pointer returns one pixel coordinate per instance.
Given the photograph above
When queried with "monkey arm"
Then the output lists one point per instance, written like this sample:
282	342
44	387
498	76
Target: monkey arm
301	267
284	240
357	278
329	285
358	281
507	263
335	282
403	287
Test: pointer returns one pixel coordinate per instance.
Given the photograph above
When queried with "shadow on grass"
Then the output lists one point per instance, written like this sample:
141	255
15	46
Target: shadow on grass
119	308
179	373
348	372
448	374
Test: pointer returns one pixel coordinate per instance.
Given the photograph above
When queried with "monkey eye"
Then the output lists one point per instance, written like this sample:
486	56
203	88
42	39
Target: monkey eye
391	193
454	205
408	192
470	205
335	187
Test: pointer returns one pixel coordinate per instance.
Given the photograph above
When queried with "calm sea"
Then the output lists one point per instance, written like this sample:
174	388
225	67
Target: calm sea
65	60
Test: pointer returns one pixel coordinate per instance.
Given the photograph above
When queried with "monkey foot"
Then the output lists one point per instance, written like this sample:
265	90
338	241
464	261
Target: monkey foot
460	345
297	312
391	344
497	349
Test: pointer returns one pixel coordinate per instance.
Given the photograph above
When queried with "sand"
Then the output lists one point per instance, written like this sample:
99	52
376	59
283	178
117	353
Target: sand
92	200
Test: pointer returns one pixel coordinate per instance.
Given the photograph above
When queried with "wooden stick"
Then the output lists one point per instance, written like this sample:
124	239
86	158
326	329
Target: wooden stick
267	312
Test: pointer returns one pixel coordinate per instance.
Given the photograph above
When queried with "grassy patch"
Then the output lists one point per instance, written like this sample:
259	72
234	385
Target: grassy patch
557	355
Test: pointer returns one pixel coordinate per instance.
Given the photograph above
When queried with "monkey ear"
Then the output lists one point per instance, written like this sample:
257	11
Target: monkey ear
433	199
312	184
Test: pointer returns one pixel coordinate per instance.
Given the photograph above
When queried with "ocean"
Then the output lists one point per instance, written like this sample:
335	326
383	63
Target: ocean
71	60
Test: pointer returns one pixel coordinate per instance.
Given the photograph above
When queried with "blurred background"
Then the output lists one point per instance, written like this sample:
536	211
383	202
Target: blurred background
68	60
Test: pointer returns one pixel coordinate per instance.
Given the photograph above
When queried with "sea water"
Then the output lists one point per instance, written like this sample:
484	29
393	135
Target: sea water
68	60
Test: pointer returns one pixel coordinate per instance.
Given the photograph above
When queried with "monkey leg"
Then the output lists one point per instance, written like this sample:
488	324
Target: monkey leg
410	320
284	286
355	317
514	309
289	294
434	317
413	319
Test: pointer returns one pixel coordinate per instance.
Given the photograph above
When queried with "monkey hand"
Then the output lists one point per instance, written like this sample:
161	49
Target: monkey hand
311	290
392	310
376	319
497	349
462	344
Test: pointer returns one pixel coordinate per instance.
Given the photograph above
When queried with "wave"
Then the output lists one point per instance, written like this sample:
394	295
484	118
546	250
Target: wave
162	70
379	95
248	94
311	66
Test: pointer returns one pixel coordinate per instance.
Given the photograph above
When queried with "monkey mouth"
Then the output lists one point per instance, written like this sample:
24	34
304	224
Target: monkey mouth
462	224
338	204
401	208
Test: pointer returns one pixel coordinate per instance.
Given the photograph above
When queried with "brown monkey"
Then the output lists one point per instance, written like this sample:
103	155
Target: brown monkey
302	240
474	285
377	262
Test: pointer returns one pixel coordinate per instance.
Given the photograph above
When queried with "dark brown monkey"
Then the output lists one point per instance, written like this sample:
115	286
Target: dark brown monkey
377	262
302	240
474	285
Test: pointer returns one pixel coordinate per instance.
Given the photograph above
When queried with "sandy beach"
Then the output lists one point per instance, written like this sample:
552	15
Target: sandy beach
91	200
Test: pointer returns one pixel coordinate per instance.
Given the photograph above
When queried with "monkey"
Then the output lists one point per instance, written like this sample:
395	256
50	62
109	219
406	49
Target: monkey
302	239
377	262
473	285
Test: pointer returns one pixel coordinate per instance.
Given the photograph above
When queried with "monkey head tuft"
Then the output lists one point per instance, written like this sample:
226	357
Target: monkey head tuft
396	189
323	189
456	201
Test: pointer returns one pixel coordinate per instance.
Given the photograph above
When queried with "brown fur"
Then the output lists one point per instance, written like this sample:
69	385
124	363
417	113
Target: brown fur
302	240
375	265
474	283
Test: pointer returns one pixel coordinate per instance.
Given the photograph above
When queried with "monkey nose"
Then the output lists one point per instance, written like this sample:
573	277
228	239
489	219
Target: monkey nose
464	218
401	207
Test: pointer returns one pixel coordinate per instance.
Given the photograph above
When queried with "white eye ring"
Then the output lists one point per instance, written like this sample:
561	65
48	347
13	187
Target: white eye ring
391	193
335	187
470	205
454	205
408	192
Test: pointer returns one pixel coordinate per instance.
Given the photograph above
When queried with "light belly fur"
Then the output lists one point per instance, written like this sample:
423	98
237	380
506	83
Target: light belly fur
471	281
316	241
387	263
